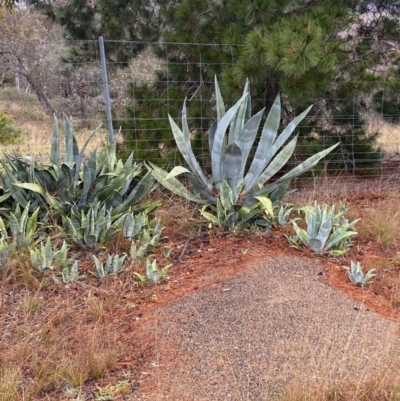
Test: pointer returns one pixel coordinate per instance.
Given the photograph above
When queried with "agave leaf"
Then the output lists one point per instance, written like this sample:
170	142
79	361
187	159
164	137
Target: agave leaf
32	221
87	185
278	162
232	219
182	140
296	171
71	146
280	140
3	230
211	135
246	215
220	103
226	197
99	267
240	117
176	171
139	192
217	150
128	227
339	235
232	165
325	226
174	185
267	204
55	142
246	138
210	217
264	148
78	157
315	244
368	276
196	184
14	226
301	234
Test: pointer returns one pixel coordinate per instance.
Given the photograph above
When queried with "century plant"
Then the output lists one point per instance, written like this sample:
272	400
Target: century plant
284	214
145	238
49	257
356	275
22	227
231	139
70	275
72	182
153	274
99	224
326	231
112	266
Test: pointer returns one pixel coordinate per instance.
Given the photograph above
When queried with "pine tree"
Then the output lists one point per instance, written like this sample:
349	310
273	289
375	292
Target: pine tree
330	53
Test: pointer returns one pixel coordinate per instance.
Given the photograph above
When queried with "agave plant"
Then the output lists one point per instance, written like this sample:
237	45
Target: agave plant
231	139
146	238
284	214
356	275
48	257
69	275
72	183
153	274
112	266
22	227
326	232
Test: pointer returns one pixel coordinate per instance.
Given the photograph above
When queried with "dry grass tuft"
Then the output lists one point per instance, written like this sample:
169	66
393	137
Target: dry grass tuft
389	138
18	271
381	222
10	379
98	307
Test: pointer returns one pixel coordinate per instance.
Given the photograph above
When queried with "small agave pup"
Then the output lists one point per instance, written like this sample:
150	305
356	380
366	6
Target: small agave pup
232	184
356	276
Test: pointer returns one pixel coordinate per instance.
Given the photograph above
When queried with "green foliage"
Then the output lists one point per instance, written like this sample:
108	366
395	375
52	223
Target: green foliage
22	227
145	237
75	190
96	226
49	258
326	231
284	214
70	275
314	53
153	274
112	266
357	277
72	183
235	181
115	20
9	133
230	216
146	128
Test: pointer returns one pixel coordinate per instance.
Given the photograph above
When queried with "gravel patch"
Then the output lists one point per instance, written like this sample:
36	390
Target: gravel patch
275	324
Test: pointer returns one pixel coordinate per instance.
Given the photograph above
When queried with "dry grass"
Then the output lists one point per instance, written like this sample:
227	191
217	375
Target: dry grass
56	341
10	379
50	345
380	222
37	127
389	138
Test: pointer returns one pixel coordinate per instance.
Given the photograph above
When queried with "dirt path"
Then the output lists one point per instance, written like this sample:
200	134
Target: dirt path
276	324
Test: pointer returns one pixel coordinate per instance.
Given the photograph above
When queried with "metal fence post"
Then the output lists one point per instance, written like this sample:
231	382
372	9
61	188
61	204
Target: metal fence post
106	91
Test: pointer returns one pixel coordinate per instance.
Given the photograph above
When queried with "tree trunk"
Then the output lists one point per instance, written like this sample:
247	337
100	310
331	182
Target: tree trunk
36	86
44	101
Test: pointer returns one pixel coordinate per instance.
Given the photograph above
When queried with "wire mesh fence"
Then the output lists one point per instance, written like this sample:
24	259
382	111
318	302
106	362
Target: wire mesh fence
156	82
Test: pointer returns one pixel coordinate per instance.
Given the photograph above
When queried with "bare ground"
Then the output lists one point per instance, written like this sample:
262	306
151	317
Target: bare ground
255	334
